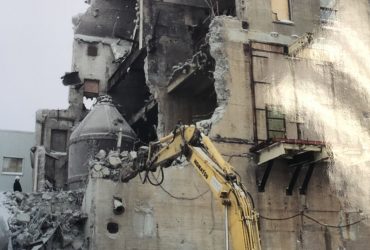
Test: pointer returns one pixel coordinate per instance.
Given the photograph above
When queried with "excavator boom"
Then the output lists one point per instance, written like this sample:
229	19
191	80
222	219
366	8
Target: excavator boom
241	220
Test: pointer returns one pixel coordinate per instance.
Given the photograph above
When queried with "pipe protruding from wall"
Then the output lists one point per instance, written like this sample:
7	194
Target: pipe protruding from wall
118	205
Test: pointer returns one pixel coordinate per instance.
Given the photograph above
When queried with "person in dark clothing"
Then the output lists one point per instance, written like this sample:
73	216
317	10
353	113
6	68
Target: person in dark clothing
17	185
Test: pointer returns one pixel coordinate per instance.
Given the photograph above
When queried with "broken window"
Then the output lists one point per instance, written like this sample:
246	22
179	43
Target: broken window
275	120
280	10
89	102
12	165
91	88
92	50
58	140
328	11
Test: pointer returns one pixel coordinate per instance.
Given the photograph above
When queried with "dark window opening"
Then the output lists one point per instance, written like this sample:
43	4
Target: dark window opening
134	101
146	127
92	50
275	123
204	105
50	170
199	31
58	140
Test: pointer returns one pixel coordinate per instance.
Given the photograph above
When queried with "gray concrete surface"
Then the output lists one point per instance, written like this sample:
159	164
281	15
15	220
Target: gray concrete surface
16	144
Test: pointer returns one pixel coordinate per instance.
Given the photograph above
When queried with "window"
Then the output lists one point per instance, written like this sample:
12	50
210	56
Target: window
91	88
58	140
92	50
280	10
328	11
275	123
12	165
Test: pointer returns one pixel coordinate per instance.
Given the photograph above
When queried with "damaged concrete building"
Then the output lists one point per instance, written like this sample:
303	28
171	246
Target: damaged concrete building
221	65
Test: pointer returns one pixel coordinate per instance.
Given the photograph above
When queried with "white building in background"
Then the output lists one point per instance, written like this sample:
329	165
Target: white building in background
15	159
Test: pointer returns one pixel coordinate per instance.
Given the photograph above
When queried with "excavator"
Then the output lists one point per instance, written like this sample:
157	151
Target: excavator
241	219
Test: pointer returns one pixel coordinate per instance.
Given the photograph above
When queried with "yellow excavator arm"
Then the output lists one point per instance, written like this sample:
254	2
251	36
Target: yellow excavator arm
241	221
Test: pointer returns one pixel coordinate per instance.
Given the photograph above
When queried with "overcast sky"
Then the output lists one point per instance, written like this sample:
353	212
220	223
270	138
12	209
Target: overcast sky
35	51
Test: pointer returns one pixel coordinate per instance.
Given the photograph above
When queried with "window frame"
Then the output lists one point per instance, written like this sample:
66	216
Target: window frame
330	8
330	20
12	173
92	50
86	92
290	16
273	108
52	139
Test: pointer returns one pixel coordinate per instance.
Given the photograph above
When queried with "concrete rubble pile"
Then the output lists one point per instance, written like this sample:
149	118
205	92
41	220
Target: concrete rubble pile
50	219
111	165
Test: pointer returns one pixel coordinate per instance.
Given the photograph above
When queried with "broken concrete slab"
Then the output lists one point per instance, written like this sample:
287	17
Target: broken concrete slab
19	196
132	155
46	196
105	171
23	217
101	154
124	155
113	159
98	167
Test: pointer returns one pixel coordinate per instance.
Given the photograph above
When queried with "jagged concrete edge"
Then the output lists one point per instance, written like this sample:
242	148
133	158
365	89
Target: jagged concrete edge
217	51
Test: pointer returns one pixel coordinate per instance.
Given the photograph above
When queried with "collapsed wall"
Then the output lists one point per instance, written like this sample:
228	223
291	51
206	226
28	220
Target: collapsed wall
231	76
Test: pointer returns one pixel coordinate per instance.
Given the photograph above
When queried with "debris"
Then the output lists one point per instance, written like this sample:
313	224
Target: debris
46	196
110	166
19	196
96	174
124	155
23	217
132	155
98	167
51	220
71	78
101	154
106	172
113	159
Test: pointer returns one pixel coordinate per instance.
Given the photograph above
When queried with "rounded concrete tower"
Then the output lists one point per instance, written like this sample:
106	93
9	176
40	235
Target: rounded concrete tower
99	130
